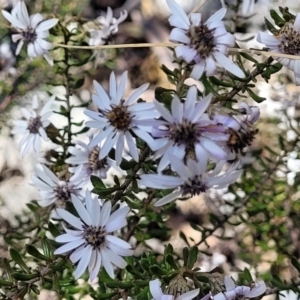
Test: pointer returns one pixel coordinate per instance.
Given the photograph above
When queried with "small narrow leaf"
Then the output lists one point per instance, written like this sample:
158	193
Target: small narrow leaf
15	255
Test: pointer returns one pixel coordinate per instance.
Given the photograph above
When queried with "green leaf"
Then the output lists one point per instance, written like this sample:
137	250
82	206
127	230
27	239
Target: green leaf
8	268
120	285
167	70
105	296
116	180
185	255
141	283
135	186
53	229
171	261
15	255
46	247
169	249
97	182
61	265
295	263
127	165
24	277
249	57
35	253
247	275
79	83
157	270
182	235
270	26
5	283
134	272
255	97
218	82
277	19
192	258
208	87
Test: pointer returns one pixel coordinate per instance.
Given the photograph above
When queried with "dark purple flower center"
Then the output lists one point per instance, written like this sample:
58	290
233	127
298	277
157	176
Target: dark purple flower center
94	236
29	36
119	116
194	187
202	39
34	125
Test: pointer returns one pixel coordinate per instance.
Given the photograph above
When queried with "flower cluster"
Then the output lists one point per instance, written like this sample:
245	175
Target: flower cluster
189	138
203	43
196	144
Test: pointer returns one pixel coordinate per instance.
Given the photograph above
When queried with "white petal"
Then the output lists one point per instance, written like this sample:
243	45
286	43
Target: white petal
217	16
167	199
68	247
195	18
135	95
105	213
189	295
121	88
14	21
95	271
178	11
107	265
228	64
46	25
82	212
155	289
71	219
115	258
112	86
65	238
132	147
260	288
83	263
178	35
160	181
103	100
198	70
163	111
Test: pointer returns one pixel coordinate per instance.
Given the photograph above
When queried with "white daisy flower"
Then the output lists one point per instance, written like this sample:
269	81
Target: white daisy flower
157	293
204	43
188	131
104	27
88	162
118	118
286	42
234	292
91	241
52	189
33	127
239	127
192	179
32	31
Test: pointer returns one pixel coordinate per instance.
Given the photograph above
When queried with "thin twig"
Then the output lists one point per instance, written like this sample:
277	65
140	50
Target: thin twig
197	7
172	45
